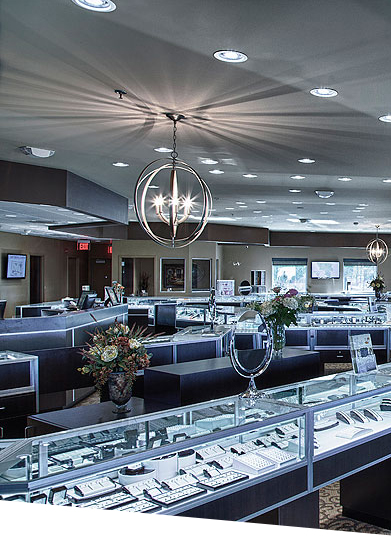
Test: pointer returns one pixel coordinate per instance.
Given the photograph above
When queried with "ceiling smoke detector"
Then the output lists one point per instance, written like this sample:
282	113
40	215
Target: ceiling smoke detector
324	193
37	151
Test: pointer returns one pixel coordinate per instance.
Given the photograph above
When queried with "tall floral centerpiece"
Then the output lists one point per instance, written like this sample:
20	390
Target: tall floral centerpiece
377	285
119	290
279	312
113	357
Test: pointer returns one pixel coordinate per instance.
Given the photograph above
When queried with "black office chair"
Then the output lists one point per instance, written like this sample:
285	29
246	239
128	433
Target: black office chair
165	318
3	304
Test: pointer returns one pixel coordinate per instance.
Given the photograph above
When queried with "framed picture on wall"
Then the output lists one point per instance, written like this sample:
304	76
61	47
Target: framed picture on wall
172	275
200	274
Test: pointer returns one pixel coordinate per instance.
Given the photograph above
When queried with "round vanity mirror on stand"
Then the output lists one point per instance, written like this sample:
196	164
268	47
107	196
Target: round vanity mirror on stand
251	350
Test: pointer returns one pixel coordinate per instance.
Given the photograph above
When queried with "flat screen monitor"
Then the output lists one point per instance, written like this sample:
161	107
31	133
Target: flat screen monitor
325	270
86	300
16	266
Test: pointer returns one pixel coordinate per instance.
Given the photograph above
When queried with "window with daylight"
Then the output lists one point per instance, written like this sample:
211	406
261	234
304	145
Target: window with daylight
290	273
357	274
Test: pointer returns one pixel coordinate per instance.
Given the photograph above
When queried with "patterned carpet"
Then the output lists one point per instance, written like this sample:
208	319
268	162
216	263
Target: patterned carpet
330	514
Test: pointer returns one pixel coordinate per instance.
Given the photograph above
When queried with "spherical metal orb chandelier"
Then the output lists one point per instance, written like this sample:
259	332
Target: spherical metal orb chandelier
377	249
184	201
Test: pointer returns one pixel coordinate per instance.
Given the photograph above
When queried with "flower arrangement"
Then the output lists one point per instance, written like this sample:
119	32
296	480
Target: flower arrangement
280	310
377	283
119	290
117	348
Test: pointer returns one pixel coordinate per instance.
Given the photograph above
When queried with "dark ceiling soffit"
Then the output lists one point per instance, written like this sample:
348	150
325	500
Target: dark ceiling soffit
212	232
88	197
323	240
104	231
25	183
32	184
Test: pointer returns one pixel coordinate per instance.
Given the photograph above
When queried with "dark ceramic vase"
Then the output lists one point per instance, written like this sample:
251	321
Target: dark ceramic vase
120	391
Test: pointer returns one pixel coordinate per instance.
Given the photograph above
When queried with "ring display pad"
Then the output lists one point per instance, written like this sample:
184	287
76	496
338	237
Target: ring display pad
251	350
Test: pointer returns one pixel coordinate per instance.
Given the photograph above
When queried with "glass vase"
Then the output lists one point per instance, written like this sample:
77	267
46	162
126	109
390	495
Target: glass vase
120	391
279	339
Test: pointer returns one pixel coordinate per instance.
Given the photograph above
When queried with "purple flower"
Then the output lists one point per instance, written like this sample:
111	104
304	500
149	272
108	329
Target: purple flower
291	292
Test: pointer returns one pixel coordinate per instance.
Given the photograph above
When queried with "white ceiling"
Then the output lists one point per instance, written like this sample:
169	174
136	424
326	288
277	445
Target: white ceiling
60	64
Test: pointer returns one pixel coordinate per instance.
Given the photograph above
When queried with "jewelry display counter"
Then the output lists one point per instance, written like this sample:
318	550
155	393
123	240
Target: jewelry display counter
221	459
179	461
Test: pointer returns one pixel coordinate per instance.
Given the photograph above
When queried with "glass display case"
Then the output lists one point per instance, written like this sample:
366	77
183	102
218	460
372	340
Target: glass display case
346	319
166	462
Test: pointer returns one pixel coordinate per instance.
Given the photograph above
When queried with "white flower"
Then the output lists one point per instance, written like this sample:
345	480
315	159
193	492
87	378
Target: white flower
109	353
134	344
267	308
290	303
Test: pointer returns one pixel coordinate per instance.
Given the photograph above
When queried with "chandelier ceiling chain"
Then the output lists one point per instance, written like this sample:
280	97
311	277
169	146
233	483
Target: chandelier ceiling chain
175	208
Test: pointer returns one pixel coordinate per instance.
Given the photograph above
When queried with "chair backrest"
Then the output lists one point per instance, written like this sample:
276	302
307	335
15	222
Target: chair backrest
3	304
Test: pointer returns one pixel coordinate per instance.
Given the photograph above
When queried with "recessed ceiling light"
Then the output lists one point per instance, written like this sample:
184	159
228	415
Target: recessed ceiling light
363	204
387	180
293	214
324	212
356	210
10	215
229	208
324	193
216	171
206	161
37	151
306	160
96	5
240	203
163	149
260	201
120	164
330	203
232	56
344	179
295	191
385	118
294	220
257	211
244	206
296	203
324	92
250	175
297	177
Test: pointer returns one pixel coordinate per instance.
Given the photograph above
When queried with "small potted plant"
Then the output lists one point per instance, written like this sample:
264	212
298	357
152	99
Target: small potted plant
377	285
113	357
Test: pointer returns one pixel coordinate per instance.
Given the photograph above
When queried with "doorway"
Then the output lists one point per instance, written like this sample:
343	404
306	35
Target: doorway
35	279
137	276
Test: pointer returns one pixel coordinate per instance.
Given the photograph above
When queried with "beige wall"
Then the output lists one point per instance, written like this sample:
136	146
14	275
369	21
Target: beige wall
54	252
260	257
148	249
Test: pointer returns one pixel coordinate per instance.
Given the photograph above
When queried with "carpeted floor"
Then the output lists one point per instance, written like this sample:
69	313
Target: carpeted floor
330	514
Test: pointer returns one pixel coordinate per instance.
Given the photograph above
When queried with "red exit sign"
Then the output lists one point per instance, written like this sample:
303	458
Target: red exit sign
83	245
109	249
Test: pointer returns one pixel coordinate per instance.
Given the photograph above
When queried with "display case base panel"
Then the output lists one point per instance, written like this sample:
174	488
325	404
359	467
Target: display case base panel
366	495
303	512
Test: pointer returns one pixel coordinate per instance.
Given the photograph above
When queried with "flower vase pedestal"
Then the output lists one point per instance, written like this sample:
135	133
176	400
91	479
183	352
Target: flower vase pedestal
279	339
120	391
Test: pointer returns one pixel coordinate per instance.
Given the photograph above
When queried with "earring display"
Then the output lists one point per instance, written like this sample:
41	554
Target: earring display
210	452
252	463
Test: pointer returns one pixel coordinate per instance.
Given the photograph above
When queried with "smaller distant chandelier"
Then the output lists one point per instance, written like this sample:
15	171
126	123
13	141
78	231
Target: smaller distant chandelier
377	249
173	206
